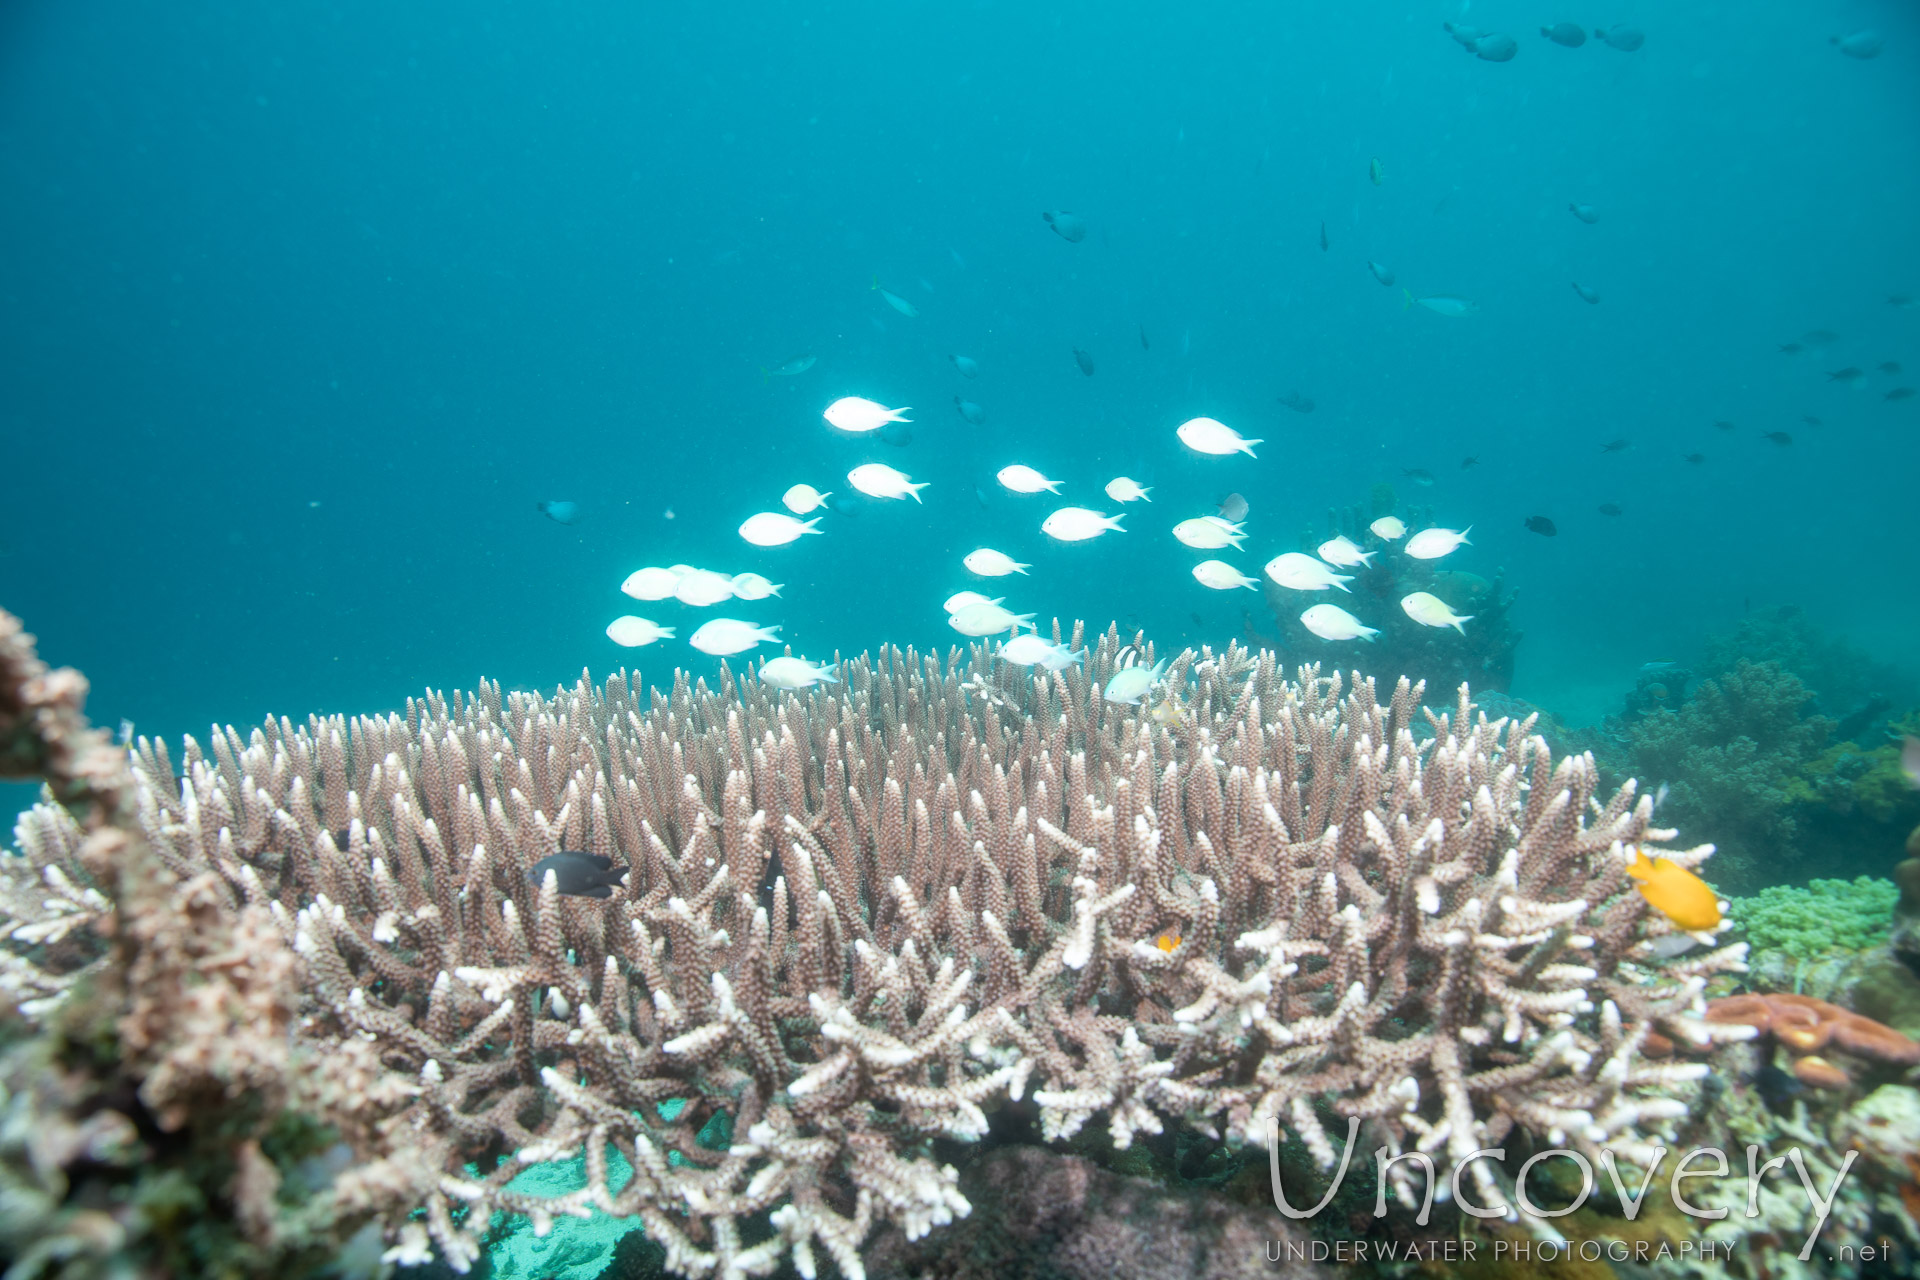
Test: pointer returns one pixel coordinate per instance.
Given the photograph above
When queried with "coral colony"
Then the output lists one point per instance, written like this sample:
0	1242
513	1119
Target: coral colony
854	920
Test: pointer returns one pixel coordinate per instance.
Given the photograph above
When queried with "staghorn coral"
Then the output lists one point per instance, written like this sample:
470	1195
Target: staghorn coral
150	1126
855	919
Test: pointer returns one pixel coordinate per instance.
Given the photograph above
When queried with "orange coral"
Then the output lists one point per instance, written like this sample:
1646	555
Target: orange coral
1806	1025
1821	1074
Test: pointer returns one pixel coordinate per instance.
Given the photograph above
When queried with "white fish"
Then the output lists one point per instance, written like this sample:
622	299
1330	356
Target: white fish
989	563
1130	684
723	636
897	302
795	673
1222	576
961	599
1389	528
1061	658
702	587
878	480
751	586
1077	524
851	413
803	498
1298	571
775	528
986	619
1029	649
1341	551
1024	479
634	632
1441	304
1431	544
1209	533
1206	435
651	583
1431	611
1331	622
1121	489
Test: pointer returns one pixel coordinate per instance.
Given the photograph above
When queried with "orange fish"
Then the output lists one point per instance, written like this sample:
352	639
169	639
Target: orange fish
1167	941
1675	892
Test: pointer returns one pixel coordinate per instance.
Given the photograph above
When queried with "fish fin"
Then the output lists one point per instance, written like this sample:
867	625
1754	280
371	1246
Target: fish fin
810	523
1408	304
915	489
597	891
1458	620
600	861
1464	532
1246	446
875	284
1144	493
894	414
666	633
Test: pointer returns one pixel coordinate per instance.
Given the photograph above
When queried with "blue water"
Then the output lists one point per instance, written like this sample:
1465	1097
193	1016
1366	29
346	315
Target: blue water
307	306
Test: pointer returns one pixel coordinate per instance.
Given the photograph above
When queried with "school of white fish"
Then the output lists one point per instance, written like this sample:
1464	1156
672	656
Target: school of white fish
978	616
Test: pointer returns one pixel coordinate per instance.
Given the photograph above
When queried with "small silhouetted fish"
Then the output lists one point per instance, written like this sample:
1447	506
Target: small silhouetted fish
1084	360
1613	446
1570	34
1902	300
898	434
1791	348
1695	458
1419	475
969	410
844	504
1724	426
579	875
968	367
1233	507
1323	237
789	368
1144	344
560	512
1463	35
1585	212
1777	1088
1778	437
1900	393
1818	337
1861	44
980	496
1472	461
1542	526
1067	226
1494	47
1889	366
1380	273
1809	419
1297	402
1847	375
1625	39
1610	509
1586	294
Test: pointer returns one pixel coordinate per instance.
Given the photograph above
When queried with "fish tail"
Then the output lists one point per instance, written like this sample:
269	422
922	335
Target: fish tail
915	489
1408	304
1246	447
875	284
666	633
894	415
1458	620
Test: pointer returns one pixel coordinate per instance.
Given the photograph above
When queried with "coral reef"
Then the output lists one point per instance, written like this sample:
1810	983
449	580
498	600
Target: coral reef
159	1113
856	920
1730	756
1481	656
1826	916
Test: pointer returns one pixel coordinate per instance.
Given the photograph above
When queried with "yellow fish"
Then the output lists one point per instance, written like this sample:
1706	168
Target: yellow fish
1675	892
1167	941
1167	713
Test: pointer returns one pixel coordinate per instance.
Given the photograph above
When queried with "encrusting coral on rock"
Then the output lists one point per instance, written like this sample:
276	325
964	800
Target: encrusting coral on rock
856	919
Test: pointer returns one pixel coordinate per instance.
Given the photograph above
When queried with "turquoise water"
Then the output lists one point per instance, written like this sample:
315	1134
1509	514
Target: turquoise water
309	309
